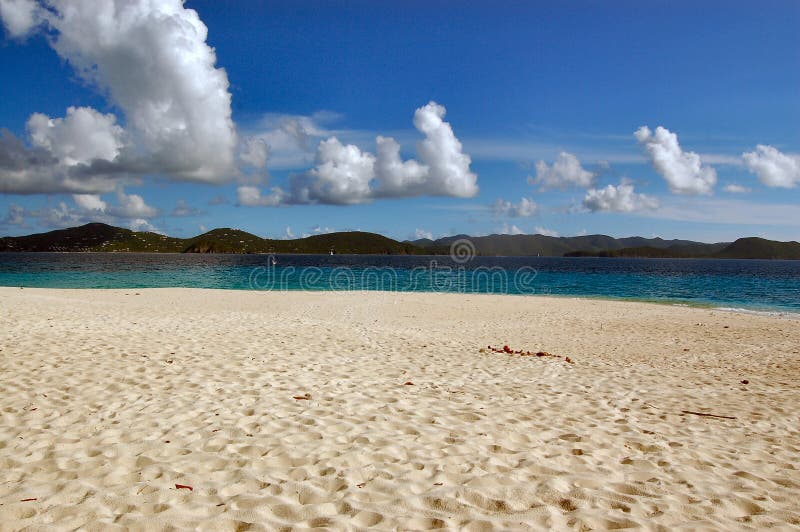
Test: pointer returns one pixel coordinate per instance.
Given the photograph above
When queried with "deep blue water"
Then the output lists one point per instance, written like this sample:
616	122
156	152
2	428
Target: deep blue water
747	284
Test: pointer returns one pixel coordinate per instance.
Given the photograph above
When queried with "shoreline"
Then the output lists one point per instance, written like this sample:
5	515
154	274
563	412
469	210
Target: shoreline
778	312
443	254
386	410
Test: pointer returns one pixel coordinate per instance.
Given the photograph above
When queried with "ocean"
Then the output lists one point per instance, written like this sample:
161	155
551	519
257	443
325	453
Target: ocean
748	285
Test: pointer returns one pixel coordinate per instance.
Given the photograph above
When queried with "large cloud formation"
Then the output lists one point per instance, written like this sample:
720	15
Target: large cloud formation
683	171
773	168
345	175
152	62
620	198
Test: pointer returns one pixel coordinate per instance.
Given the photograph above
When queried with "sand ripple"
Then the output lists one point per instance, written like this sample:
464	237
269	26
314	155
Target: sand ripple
290	411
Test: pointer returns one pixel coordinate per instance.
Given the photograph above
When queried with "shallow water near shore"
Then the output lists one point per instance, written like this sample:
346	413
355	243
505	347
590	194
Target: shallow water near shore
750	285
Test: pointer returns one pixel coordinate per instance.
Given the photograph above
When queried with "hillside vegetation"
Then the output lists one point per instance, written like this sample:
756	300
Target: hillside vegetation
97	237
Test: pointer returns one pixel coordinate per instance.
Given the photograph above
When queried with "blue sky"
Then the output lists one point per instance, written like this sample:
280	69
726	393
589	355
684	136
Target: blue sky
543	98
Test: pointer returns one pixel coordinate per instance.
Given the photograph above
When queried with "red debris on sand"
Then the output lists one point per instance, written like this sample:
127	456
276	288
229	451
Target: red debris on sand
507	350
183	487
305	397
29	500
569	360
361	485
745	381
408	383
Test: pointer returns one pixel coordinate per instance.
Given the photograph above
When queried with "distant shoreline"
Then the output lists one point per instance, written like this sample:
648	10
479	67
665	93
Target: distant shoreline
97	237
287	253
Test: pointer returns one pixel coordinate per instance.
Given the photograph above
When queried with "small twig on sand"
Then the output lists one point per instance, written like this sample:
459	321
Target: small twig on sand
706	415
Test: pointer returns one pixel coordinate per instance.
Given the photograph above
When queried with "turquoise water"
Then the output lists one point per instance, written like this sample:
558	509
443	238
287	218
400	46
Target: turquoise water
746	284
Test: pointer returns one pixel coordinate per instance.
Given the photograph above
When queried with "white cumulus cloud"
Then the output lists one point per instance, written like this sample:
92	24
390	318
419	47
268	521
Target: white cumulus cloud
19	16
318	230
526	207
422	233
129	209
131	206
151	60
773	168
546	232
250	196
344	174
140	224
448	166
512	229
620	198
566	171
15	216
254	152
397	177
733	188
683	171
79	138
90	202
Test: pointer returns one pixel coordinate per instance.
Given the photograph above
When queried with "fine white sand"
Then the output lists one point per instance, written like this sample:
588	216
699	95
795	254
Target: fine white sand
111	398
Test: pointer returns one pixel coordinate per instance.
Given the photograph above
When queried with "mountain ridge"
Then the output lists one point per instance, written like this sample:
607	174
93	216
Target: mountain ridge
98	237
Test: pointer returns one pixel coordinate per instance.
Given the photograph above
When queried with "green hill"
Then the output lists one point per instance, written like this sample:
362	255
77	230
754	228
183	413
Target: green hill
760	248
551	246
349	242
226	240
99	237
743	248
93	237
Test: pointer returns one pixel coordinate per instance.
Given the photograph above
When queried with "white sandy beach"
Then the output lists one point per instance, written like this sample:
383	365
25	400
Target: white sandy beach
112	398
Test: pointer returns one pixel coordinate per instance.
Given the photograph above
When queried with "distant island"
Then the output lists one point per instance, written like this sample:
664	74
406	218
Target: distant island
98	237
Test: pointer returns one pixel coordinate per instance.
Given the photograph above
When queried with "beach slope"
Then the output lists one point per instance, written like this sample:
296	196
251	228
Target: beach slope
223	410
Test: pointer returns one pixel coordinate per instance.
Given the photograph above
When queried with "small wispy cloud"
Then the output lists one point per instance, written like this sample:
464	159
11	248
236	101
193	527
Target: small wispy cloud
422	233
733	188
522	209
727	211
546	232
